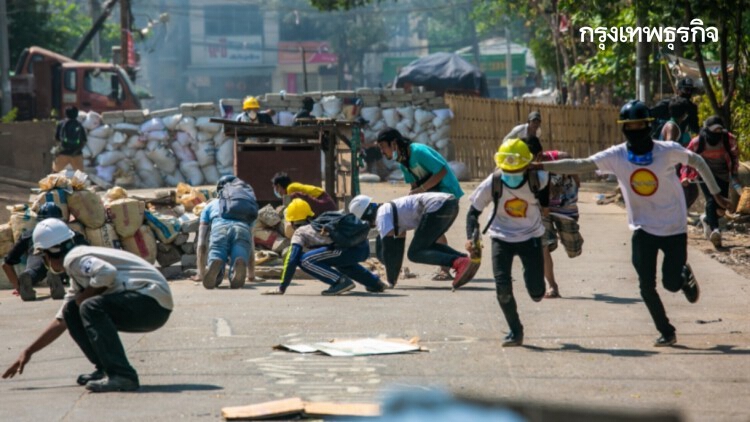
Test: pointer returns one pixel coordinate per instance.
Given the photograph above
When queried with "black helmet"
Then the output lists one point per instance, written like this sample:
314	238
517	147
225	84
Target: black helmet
685	84
634	111
49	210
223	181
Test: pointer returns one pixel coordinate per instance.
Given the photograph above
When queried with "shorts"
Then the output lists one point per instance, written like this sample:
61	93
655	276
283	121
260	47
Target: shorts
569	233
61	161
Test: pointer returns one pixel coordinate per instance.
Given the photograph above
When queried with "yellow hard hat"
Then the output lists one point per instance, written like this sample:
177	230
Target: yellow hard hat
250	103
298	210
513	155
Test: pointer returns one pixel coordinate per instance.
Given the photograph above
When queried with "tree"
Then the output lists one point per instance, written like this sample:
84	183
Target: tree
56	25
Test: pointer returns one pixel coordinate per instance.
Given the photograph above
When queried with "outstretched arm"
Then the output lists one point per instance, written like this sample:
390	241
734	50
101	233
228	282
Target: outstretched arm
49	335
696	161
570	166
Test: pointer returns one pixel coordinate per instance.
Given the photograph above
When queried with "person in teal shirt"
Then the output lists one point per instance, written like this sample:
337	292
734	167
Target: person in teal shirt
424	169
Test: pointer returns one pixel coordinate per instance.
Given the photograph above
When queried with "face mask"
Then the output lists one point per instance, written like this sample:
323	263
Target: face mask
253	114
639	141
641	160
513	180
395	155
276	194
713	138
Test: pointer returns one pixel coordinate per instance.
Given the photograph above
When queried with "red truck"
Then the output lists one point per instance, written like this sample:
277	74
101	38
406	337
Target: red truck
46	81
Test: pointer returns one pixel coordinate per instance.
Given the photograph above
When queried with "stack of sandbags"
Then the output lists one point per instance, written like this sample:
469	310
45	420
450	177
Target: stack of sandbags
138	148
268	232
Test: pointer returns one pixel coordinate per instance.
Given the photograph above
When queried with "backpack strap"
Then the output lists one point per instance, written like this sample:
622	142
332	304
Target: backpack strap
497	192
534	182
395	218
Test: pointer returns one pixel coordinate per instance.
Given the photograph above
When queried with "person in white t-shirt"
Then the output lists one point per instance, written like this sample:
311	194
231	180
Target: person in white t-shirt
515	227
531	128
430	215
655	202
110	291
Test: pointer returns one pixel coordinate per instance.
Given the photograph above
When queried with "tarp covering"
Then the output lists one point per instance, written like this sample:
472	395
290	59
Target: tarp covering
444	72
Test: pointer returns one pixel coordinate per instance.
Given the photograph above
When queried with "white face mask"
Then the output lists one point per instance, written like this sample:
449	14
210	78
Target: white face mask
253	114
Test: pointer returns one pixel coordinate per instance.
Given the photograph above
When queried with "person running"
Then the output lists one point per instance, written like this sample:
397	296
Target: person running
315	252
318	199
35	271
110	291
645	171
676	129
560	219
718	147
515	227
224	238
524	130
424	169
430	215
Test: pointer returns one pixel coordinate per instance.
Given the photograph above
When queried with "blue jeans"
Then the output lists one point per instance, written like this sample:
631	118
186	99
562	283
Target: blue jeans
320	264
95	323
229	241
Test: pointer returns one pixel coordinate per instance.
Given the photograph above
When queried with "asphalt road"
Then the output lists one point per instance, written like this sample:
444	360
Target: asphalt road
592	348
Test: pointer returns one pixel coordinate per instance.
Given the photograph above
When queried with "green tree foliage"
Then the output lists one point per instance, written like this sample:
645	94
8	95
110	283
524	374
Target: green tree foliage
56	25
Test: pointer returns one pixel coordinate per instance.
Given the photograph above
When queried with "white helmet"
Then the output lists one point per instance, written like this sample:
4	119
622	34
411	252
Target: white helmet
50	232
359	205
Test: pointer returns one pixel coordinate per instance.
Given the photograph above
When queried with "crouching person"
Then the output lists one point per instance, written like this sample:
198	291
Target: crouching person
515	227
35	270
226	231
430	215
111	290
335	244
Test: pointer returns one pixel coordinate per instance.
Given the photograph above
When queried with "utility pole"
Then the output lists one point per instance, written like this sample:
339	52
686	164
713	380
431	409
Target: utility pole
508	61
124	32
5	105
96	10
641	57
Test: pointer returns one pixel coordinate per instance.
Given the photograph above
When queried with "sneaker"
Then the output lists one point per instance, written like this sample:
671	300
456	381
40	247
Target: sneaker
25	288
513	339
465	270
690	287
97	375
665	341
114	383
706	227
341	286
211	278
715	238
380	287
239	274
56	288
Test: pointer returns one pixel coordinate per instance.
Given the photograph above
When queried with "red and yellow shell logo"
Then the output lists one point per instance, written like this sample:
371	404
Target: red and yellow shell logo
644	182
516	207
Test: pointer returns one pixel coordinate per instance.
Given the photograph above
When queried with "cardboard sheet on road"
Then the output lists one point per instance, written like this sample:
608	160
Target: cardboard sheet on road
297	408
356	347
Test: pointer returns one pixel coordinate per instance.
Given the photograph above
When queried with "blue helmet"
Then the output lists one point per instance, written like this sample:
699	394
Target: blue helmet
634	111
49	210
223	181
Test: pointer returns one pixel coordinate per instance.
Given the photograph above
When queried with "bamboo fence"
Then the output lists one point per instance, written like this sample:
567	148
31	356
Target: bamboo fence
480	125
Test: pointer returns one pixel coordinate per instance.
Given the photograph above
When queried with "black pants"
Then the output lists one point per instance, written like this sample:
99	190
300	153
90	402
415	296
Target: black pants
711	206
646	246
530	252
424	247
94	326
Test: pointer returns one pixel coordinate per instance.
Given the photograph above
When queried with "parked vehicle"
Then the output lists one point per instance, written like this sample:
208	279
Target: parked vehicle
47	82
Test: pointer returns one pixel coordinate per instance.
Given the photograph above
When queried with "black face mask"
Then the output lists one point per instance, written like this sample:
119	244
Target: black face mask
639	141
713	138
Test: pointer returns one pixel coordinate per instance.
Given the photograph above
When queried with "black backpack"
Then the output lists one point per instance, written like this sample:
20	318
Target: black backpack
237	202
72	137
532	178
345	230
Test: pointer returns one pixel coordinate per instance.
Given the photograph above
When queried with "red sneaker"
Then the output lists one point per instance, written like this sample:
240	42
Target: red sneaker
465	270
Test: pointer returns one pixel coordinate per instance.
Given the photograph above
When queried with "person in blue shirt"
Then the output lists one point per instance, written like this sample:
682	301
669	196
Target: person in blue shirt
424	168
224	241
